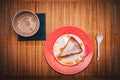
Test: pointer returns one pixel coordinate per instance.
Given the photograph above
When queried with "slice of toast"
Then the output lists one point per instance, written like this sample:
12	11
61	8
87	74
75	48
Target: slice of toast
72	47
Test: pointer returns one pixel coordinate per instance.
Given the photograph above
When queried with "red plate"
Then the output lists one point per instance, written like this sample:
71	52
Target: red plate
50	56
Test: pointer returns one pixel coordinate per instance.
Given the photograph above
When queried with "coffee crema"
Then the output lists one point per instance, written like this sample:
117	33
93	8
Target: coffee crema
26	24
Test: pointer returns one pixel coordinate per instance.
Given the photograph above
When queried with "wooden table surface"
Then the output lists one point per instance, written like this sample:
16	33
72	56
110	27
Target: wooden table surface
26	58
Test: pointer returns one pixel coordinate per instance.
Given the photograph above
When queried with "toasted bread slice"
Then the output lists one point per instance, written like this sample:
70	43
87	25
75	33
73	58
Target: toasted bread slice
72	47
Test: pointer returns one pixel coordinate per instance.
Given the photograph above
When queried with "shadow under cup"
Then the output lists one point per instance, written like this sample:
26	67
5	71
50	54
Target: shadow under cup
25	23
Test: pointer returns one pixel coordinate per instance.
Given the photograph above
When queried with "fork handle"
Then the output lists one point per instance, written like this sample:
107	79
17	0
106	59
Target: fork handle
98	56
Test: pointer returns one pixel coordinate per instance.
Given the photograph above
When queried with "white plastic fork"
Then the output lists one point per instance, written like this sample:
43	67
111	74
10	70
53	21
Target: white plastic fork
99	39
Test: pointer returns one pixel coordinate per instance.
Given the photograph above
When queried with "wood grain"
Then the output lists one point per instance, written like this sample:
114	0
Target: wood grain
26	58
2	37
101	30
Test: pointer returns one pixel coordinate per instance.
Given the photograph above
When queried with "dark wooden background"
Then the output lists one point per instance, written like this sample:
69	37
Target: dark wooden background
25	59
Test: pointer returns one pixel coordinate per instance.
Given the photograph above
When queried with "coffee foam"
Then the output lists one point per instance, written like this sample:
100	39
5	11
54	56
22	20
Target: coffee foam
26	24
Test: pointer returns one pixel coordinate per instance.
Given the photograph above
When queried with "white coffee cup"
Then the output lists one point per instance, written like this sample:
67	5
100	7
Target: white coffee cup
25	23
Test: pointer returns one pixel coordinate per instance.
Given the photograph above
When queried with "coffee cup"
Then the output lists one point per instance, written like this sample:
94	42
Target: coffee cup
25	23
